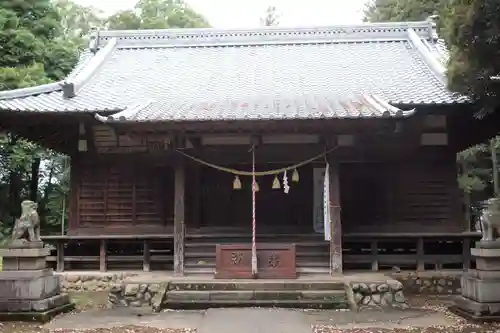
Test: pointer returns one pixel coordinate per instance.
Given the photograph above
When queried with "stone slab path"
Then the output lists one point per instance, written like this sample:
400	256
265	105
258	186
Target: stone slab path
250	320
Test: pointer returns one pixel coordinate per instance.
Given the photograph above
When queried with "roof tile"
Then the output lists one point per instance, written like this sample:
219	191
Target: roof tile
305	78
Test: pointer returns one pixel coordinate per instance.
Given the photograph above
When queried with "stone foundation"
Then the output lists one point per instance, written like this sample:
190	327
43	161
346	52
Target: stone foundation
430	282
134	295
92	281
381	294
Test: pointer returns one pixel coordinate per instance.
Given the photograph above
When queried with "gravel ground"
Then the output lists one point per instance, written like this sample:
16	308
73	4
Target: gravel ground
435	303
93	301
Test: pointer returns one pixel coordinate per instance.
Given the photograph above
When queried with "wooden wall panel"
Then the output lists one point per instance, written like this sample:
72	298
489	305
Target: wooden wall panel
113	195
412	195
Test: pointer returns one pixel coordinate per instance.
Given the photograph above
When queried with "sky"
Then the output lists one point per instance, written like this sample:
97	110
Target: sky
247	13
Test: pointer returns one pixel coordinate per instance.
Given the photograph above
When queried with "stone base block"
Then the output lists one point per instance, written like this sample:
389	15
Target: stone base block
24	259
473	310
482	291
34	316
19	285
482	275
42	305
487	259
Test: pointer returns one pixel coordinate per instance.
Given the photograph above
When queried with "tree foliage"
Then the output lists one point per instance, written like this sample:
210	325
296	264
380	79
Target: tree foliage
77	20
271	17
401	10
473	36
157	14
31	49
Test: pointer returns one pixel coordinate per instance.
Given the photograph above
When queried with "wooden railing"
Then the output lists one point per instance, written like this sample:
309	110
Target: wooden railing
372	251
417	251
104	258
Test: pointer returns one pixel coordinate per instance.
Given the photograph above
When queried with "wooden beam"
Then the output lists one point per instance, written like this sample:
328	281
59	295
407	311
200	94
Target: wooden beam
335	221
179	212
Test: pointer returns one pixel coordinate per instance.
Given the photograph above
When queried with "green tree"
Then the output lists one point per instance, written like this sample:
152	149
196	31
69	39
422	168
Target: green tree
157	14
77	20
270	18
401	10
473	36
33	51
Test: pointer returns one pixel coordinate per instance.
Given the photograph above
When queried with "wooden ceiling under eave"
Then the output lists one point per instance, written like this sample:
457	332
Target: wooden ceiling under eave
58	132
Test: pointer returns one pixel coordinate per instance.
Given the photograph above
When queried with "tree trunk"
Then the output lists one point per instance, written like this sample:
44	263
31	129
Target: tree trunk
35	171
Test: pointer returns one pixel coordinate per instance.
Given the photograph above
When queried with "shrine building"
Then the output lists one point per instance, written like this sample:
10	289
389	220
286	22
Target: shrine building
350	134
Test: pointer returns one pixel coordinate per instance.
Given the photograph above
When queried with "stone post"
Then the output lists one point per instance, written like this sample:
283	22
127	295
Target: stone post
480	299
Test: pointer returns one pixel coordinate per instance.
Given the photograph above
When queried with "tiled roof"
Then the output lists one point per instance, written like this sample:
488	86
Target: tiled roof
307	107
204	74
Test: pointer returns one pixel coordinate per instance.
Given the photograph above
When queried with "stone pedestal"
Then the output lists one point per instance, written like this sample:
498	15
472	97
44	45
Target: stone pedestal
480	299
28	290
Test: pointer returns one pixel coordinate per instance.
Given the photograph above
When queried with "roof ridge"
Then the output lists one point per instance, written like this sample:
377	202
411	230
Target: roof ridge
72	84
36	90
213	35
432	62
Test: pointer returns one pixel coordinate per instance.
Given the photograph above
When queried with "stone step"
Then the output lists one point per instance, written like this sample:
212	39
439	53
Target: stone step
258	285
313	270
295	304
200	270
272	298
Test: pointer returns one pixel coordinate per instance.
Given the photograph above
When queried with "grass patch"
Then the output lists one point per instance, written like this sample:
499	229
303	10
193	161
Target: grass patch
89	300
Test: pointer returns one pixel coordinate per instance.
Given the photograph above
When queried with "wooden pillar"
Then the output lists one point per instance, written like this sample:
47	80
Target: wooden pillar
374	253
102	255
60	256
196	195
466	252
335	222
179	211
146	256
420	255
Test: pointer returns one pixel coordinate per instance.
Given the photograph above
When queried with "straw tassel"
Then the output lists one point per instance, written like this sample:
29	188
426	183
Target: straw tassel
276	183
295	176
236	183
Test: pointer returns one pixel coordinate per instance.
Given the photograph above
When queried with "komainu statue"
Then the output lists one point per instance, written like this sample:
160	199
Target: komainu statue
490	220
27	227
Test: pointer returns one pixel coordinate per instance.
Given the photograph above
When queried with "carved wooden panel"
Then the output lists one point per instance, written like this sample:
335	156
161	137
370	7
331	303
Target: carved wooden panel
273	261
